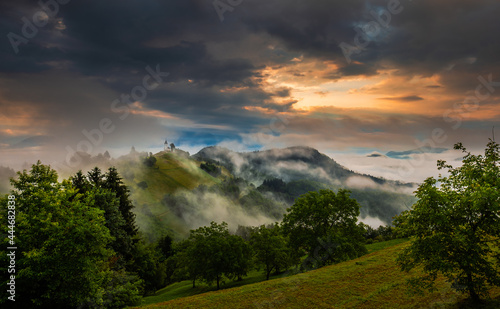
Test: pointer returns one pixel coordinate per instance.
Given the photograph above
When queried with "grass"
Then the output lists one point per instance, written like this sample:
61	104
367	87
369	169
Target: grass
372	281
171	173
385	244
185	288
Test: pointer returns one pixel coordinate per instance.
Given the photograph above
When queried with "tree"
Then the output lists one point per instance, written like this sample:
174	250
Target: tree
212	169
183	263
147	264
325	221
240	257
211	252
271	249
122	244
455	225
114	182
112	196
61	240
150	161
172	146
165	246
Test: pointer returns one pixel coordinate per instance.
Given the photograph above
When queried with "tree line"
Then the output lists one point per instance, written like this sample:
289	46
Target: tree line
79	245
321	227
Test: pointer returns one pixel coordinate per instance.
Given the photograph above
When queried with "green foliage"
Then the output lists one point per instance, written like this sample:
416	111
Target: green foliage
371	281
77	243
325	221
254	201
112	196
211	169
121	289
455	225
114	182
150	161
211	253
382	233
271	249
61	242
149	266
122	244
165	246
274	184
230	187
240	257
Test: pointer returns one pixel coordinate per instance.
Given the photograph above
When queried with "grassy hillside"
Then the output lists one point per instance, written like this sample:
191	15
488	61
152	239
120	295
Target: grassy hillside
172	172
372	281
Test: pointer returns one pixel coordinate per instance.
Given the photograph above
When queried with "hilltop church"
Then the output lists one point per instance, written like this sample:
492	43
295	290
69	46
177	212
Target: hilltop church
168	147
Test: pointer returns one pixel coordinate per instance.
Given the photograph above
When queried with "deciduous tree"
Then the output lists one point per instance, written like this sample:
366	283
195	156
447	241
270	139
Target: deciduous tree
271	249
61	240
325	222
455	225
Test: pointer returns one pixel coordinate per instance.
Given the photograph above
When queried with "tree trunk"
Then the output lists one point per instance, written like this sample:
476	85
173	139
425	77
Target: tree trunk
217	282
194	285
472	292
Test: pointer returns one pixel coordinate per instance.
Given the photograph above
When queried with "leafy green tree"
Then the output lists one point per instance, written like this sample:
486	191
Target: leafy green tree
208	250
325	221
121	289
211	169
271	249
148	266
150	161
61	240
455	225
211	253
183	264
240	257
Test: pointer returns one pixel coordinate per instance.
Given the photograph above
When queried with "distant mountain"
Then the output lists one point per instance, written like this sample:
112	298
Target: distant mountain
174	192
289	164
305	169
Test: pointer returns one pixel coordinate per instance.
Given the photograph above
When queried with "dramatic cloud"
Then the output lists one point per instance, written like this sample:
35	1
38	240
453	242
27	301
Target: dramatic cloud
272	74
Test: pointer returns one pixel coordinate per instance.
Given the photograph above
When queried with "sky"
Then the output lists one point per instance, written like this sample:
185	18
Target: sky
365	82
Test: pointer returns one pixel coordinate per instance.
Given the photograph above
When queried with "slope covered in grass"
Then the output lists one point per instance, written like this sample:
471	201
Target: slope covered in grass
372	281
171	173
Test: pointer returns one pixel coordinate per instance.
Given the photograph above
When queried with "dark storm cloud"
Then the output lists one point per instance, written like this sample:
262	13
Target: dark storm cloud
111	42
104	35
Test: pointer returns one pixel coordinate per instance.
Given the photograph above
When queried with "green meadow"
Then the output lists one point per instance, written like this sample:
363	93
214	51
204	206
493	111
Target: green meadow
371	281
